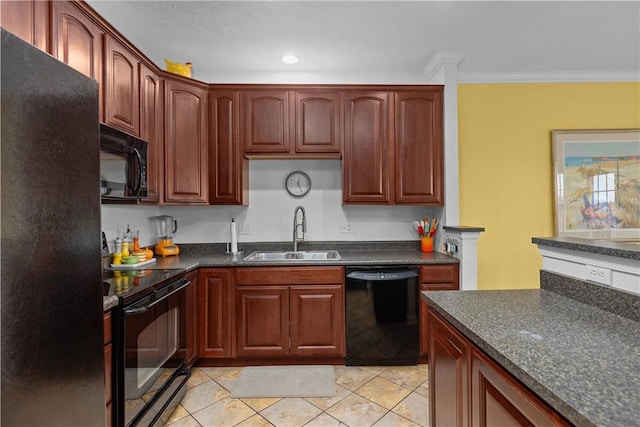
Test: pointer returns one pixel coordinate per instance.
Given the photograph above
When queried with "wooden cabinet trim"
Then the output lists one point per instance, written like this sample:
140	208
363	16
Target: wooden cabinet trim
445	273
288	275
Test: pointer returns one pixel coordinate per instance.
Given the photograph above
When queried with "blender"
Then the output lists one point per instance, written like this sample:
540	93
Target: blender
166	226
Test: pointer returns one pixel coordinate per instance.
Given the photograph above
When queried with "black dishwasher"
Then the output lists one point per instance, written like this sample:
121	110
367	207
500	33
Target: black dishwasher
382	315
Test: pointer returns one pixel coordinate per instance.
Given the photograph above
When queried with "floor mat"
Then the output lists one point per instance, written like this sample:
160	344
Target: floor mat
285	381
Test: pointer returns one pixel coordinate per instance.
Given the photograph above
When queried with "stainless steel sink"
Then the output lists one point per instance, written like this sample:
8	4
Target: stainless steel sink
293	256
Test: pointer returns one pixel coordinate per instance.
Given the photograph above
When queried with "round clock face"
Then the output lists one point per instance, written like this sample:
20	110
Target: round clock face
298	184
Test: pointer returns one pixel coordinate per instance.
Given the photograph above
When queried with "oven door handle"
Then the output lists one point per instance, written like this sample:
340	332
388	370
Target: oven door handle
158	296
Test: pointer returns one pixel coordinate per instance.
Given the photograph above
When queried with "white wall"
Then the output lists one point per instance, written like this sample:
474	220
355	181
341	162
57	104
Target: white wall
269	215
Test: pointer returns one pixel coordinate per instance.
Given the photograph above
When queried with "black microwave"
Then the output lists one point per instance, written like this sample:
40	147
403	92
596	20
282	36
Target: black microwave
123	166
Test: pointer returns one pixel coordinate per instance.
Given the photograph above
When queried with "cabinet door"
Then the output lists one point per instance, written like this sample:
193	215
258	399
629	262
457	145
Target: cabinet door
419	147
77	41
27	19
443	277
215	313
185	143
448	376
228	169
317	122
262	314
317	320
121	91
498	399
368	153
265	121
152	130
108	369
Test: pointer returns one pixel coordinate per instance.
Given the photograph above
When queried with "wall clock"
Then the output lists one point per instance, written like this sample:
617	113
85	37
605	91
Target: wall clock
298	184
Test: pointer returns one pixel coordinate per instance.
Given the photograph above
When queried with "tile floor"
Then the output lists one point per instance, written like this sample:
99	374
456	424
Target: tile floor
389	396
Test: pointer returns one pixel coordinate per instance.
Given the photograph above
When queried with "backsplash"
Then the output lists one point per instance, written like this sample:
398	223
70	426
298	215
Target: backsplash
269	216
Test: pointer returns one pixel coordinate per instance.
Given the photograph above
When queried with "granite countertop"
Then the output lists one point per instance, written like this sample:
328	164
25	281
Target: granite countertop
194	256
615	248
581	360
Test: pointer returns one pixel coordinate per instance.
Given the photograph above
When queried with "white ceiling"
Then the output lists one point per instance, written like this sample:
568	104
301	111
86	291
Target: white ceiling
385	41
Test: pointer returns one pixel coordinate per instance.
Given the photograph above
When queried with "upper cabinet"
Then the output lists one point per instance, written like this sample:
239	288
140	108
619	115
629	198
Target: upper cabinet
368	148
419	146
265	115
393	146
228	168
28	20
186	138
290	121
78	42
152	130
317	121
122	96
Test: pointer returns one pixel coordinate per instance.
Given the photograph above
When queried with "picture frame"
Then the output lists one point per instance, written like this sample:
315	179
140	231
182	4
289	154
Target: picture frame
597	183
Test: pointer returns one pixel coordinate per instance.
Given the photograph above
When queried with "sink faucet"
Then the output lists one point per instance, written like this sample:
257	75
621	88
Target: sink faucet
296	225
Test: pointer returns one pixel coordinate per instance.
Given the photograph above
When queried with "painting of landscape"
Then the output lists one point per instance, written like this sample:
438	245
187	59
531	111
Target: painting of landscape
597	184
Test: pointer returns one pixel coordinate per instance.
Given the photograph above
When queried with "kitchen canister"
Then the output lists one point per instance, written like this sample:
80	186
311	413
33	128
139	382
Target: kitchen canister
426	244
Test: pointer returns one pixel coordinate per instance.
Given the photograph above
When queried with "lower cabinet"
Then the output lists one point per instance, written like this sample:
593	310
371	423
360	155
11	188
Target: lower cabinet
290	312
108	363
215	313
467	388
434	277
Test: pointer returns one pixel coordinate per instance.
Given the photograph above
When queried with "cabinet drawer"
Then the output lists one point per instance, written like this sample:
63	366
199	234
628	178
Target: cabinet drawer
288	275
439	273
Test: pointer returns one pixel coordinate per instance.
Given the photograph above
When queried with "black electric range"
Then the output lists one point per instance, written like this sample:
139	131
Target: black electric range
131	285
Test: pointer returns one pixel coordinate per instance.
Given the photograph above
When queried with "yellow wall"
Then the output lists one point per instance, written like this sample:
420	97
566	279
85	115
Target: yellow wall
506	164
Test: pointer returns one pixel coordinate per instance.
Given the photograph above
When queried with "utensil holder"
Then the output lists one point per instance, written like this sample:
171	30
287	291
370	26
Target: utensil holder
426	244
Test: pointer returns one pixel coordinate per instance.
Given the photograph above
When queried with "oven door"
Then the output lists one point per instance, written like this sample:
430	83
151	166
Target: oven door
151	365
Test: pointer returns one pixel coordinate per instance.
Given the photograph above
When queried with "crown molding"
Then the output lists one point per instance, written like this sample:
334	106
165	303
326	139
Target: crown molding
442	57
546	77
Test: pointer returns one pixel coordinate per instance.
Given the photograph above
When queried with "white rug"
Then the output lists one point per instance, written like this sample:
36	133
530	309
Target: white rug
285	381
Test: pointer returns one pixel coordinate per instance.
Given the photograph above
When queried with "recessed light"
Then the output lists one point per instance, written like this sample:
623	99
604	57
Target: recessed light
289	58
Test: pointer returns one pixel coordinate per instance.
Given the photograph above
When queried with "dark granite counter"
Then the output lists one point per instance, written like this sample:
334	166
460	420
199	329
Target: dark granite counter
619	249
582	360
351	253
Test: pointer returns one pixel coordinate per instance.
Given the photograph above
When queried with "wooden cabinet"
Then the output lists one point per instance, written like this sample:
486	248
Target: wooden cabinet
77	40
368	148
152	130
122	95
27	19
434	277
419	146
108	368
191	321
215	313
186	137
290	312
265	118
467	388
497	399
228	168
317	121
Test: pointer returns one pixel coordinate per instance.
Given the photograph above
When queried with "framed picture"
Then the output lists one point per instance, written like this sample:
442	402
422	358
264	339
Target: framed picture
597	183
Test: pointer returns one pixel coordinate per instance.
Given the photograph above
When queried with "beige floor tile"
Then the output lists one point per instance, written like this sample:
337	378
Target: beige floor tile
214	372
406	376
256	421
394	420
198	376
352	377
383	392
375	370
229	378
224	413
187	421
356	411
324	420
259	404
326	402
423	389
203	395
290	412
177	414
414	407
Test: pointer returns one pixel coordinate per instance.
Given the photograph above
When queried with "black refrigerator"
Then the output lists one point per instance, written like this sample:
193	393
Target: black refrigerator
52	354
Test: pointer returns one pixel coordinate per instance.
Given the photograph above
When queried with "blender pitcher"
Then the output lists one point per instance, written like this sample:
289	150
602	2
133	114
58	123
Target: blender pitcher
166	225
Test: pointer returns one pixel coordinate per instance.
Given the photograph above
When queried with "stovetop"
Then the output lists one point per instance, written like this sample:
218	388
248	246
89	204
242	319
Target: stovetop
131	285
